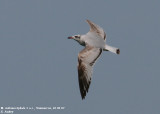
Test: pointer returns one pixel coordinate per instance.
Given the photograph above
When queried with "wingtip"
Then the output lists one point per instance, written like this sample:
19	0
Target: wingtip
88	21
83	98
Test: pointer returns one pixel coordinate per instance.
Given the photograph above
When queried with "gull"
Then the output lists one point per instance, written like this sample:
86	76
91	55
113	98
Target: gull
94	42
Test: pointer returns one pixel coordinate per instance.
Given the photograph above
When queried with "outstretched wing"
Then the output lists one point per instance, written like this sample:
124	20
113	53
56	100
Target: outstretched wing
96	29
86	60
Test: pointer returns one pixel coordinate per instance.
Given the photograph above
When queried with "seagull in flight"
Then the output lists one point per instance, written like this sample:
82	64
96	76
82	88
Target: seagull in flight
94	42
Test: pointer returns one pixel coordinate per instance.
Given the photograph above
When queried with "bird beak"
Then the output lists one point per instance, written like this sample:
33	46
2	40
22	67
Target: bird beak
70	37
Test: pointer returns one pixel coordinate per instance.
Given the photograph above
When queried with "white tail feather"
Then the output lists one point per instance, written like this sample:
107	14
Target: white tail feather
112	49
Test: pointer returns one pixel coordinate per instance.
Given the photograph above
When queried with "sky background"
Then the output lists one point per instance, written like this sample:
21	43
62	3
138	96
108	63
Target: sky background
38	64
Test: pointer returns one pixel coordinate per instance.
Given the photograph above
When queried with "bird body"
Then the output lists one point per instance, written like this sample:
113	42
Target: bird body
94	42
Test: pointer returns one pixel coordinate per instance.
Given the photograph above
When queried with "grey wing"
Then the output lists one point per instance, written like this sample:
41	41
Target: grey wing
96	29
86	60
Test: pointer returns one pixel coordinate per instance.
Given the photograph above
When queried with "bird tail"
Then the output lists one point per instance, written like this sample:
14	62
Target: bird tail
112	49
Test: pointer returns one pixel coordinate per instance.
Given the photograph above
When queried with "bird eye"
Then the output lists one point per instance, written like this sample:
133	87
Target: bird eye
76	36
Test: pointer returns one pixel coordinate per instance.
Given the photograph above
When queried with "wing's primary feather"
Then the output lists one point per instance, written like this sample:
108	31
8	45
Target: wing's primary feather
96	29
86	60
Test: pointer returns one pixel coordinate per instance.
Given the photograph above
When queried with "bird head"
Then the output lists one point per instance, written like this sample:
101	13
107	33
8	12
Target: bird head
77	38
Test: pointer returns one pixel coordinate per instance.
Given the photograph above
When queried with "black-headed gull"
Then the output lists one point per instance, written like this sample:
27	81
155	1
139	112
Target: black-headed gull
94	42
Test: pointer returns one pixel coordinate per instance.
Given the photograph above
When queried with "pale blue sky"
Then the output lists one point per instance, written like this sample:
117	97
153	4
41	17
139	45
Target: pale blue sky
38	64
